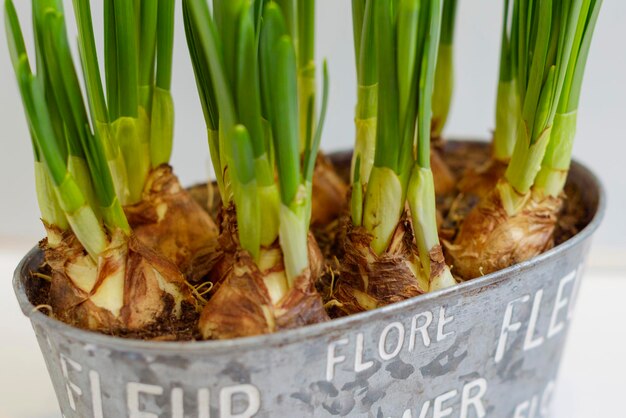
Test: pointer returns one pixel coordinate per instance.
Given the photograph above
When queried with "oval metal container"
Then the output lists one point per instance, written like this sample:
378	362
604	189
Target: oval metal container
489	347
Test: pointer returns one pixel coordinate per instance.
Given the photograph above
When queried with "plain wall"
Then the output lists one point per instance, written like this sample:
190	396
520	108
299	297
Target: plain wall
601	141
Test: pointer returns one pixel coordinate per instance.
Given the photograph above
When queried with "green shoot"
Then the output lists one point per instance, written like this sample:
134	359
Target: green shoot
162	111
444	76
544	57
367	100
407	42
306	68
127	58
96	153
258	154
555	166
80	216
147	41
507	102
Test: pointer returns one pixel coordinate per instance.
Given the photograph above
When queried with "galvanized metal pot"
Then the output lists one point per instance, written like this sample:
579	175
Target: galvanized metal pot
490	347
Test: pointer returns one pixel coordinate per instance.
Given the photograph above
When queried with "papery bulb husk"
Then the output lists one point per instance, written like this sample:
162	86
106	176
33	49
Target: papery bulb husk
129	289
476	183
171	222
481	180
329	193
241	304
222	261
207	195
368	280
490	240
445	181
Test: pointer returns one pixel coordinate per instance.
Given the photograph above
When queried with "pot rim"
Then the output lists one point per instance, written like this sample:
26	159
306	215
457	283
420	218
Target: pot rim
325	329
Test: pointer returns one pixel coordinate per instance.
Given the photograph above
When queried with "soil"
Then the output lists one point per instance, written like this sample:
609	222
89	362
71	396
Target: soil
459	157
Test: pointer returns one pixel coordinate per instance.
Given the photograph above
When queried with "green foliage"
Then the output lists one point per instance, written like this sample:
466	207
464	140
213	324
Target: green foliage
79	141
552	43
406	35
247	63
407	46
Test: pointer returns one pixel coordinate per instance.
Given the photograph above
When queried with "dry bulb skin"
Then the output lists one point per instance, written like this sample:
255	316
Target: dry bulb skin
476	183
129	288
368	281
252	298
329	195
490	239
445	182
170	221
481	180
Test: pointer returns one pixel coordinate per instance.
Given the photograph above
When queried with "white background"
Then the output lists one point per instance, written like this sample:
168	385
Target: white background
601	144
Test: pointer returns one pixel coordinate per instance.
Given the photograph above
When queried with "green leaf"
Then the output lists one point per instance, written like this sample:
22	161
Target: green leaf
15	38
204	30
388	129
41	126
408	20
227	14
284	116
448	21
538	64
427	82
289	10
165	44
313	147
127	57
358	17
40	8
272	30
148	30
367	64
248	90
243	156
202	72
162	127
64	82
573	83
89	59
306	32
111	60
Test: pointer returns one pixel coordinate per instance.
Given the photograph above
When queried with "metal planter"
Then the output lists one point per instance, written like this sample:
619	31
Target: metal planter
490	347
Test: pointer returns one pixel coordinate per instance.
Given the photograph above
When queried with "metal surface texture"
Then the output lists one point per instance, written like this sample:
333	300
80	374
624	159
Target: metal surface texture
489	347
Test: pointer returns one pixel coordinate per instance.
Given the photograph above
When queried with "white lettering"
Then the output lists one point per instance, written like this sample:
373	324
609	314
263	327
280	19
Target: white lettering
133	390
529	408
423	329
546	399
474	400
438	409
96	394
178	410
382	342
70	386
359	365
575	290
443	321
508	326
226	401
204	410
425	408
533	407
529	342
333	360
520	410
560	303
